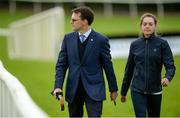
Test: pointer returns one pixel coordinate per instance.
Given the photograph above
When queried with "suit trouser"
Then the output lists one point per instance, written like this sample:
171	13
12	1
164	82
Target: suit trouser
94	108
146	104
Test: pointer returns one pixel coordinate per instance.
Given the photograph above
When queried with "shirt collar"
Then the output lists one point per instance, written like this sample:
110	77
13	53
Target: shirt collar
86	34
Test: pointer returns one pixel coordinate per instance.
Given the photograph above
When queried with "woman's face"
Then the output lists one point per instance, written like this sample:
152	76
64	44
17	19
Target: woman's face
148	26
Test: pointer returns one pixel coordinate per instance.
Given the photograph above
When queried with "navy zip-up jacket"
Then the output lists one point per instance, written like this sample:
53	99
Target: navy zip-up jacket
144	65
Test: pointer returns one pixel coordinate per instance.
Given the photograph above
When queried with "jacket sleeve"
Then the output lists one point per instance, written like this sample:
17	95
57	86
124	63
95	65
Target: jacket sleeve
108	66
61	66
168	61
128	73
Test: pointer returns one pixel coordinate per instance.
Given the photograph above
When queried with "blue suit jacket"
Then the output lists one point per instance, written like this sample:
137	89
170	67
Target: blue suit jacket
96	58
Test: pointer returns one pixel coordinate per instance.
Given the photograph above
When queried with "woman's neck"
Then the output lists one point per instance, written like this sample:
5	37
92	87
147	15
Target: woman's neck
147	36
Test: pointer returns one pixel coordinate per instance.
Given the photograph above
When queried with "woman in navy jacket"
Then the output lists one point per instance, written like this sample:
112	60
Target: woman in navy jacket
147	55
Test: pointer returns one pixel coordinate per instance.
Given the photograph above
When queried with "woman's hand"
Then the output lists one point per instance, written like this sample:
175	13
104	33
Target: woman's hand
123	99
164	82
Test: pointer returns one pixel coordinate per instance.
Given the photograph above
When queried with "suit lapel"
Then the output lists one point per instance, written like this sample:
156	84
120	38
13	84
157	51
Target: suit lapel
76	49
89	46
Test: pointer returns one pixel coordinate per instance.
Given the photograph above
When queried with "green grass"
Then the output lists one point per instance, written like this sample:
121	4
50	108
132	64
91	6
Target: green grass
125	25
38	76
6	17
111	26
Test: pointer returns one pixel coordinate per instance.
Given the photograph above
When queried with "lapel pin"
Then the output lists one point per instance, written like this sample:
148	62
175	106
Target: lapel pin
91	39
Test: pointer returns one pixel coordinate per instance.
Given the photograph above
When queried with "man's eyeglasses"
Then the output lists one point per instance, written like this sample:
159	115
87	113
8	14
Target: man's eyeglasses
74	20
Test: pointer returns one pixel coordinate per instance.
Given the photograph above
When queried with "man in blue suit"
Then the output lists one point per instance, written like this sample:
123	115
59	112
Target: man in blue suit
85	53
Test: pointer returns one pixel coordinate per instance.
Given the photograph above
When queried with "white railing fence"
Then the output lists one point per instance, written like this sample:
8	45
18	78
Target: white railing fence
14	99
37	36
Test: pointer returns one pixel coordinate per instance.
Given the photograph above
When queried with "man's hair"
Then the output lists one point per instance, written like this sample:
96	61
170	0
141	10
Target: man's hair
86	13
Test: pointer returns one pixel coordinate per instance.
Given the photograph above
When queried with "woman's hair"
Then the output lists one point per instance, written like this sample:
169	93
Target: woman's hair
86	13
148	15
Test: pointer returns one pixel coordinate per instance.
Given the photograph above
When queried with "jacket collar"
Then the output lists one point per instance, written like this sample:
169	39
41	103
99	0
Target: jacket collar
149	38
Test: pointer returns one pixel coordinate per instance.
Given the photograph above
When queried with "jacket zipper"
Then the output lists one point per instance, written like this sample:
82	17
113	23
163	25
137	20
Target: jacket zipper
146	61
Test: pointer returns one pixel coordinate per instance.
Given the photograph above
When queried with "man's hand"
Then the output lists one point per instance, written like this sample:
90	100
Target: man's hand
56	91
164	82
123	99
113	96
59	95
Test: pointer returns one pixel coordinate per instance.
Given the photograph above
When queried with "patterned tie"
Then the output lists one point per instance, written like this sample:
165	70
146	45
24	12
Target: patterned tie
82	38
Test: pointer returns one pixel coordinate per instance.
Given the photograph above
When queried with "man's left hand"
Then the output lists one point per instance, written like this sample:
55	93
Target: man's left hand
113	96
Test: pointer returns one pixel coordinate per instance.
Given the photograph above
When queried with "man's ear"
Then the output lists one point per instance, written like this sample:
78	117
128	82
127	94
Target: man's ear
85	21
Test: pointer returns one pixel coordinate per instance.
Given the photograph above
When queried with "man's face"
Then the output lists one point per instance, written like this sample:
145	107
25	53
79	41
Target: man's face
76	22
148	26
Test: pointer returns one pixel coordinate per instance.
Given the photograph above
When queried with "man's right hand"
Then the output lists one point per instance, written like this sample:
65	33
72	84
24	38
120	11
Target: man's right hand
123	99
56	91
